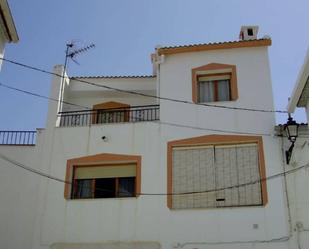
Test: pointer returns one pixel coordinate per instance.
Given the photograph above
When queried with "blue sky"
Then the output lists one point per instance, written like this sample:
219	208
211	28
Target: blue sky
125	33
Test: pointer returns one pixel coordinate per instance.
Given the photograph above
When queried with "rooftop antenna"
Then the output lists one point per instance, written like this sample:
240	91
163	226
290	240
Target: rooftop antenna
69	53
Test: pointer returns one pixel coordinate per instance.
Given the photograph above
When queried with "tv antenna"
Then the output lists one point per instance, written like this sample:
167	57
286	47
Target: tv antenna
71	54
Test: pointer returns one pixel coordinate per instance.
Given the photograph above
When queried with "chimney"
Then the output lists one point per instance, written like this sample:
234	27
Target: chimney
248	33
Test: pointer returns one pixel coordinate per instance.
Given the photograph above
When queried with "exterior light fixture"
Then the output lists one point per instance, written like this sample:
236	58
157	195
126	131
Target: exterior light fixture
291	129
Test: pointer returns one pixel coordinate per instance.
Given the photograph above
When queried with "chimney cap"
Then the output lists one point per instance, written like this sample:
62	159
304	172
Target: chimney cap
248	32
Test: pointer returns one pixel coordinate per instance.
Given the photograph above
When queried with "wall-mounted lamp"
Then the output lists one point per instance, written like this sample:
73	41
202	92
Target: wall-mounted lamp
291	129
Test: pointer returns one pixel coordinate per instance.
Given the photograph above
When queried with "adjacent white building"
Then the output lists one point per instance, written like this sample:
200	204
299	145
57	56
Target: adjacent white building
177	159
8	31
298	183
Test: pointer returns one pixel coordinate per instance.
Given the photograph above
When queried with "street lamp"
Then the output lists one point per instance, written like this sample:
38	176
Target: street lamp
291	129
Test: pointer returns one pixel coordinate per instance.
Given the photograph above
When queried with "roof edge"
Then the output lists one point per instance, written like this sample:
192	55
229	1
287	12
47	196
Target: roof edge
300	84
214	46
114	77
8	21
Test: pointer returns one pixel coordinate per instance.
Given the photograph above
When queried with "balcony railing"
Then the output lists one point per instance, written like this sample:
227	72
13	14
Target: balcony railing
105	116
17	137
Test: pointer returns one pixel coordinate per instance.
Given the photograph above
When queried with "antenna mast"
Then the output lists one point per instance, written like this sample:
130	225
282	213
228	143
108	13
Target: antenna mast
71	55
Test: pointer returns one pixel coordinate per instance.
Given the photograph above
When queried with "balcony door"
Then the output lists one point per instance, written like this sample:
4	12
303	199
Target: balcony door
111	112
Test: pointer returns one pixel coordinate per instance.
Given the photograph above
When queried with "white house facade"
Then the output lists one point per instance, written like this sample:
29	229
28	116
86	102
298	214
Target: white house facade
177	159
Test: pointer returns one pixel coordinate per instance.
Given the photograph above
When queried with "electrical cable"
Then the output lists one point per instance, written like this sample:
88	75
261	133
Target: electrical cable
291	171
135	119
40	96
144	94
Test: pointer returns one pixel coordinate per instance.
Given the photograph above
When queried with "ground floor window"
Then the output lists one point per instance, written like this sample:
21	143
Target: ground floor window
103	176
104	181
205	173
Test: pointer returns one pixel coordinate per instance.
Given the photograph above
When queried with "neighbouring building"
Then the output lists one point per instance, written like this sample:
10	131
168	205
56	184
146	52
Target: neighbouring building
177	159
8	31
298	182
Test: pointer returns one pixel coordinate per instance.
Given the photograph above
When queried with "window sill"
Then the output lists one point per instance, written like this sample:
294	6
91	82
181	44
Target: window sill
105	199
216	102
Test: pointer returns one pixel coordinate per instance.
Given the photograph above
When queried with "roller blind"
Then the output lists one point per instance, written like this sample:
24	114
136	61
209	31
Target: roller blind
218	167
193	171
214	77
110	171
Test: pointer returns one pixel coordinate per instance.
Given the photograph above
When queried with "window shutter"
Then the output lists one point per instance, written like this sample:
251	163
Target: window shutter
226	176
237	165
193	171
105	171
248	171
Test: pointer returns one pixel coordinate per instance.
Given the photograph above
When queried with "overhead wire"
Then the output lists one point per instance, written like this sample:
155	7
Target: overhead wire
142	94
40	95
30	169
135	118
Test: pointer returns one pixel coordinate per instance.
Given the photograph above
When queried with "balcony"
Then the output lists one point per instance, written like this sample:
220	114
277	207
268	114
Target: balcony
106	116
17	137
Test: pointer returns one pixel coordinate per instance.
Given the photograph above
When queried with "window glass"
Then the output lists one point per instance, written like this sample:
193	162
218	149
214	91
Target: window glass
206	91
213	88
83	189
126	187
223	90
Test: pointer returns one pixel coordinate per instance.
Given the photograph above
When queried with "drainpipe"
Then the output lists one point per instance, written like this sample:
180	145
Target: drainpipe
157	60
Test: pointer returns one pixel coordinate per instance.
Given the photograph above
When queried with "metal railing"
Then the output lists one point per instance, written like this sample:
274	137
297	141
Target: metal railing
17	137
105	116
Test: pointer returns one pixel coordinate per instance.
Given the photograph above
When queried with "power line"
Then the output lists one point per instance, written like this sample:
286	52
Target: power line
135	118
40	96
209	129
18	164
144	94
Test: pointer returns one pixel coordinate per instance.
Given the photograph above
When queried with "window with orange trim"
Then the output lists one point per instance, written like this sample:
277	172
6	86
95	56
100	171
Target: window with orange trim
108	181
216	171
214	82
103	176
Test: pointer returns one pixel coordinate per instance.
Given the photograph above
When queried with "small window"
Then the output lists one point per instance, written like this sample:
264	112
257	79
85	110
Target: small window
214	82
214	88
107	181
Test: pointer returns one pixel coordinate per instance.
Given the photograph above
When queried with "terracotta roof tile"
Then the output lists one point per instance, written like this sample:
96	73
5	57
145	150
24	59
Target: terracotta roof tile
214	46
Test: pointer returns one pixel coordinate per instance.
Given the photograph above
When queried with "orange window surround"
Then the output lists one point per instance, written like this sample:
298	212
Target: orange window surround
215	140
214	69
104	159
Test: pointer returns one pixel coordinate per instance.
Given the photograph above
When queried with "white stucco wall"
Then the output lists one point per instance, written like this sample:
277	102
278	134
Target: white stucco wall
19	195
254	90
147	218
88	95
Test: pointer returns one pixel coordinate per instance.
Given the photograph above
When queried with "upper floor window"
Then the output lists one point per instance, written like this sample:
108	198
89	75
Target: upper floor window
103	176
216	171
214	88
214	82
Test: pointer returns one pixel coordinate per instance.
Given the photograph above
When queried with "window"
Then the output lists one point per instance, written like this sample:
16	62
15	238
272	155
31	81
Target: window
107	181
214	82
214	88
110	112
103	176
219	171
